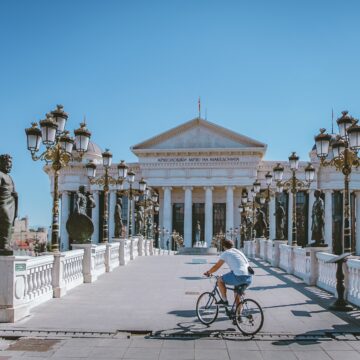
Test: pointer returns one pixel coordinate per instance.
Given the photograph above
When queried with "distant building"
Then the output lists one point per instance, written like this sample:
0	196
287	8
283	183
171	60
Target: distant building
25	238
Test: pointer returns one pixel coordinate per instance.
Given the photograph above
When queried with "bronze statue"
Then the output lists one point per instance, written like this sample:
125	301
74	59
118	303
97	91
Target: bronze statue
197	231
118	219
318	220
8	204
280	221
139	220
260	224
79	225
149	226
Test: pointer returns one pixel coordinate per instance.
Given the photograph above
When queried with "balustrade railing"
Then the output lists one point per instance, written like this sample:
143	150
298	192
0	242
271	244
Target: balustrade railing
301	262
353	285
327	272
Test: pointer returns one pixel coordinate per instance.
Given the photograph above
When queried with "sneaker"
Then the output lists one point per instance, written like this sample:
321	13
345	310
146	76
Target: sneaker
222	302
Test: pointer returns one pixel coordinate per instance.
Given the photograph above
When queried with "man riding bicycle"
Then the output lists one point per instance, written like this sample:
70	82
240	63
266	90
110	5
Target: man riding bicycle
239	270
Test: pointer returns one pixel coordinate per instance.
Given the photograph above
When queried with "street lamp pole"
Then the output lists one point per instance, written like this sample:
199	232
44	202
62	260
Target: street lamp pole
344	157
58	153
293	184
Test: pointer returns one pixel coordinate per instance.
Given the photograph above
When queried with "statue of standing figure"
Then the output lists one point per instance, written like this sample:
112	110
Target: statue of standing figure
139	220
197	231
280	221
260	224
118	219
8	204
318	220
149	226
79	225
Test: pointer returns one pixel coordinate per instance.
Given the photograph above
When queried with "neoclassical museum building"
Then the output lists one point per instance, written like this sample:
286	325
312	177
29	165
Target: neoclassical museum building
200	171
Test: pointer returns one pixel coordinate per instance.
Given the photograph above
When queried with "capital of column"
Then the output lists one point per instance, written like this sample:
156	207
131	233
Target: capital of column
167	188
187	188
65	192
229	187
208	188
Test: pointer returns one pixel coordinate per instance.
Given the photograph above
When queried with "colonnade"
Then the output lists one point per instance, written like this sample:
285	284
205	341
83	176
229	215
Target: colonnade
232	216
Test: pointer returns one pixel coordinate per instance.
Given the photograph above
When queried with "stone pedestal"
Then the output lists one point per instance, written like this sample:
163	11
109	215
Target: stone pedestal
112	259
257	247
312	265
124	250
134	250
93	262
59	285
249	248
275	261
13	303
141	246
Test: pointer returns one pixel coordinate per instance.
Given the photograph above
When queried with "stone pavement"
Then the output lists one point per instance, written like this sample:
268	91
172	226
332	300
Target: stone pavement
157	295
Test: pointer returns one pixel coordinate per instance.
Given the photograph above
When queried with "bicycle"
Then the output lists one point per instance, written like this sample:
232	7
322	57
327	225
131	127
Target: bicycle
248	315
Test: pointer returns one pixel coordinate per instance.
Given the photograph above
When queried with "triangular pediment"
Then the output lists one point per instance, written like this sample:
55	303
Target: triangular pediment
198	134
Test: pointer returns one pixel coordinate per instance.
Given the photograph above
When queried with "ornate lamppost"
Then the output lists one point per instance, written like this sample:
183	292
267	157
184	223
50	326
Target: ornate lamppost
59	152
131	193
150	205
293	184
104	181
344	158
266	199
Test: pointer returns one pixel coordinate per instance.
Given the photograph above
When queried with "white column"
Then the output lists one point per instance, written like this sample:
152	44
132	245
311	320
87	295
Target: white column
111	221
311	203
229	207
290	206
328	218
208	215
167	209
272	219
357	230
95	218
65	211
188	217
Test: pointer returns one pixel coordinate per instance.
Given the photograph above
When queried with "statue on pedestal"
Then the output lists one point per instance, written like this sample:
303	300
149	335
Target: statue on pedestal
118	219
197	232
79	225
260	224
149	226
139	220
8	204
280	221
318	220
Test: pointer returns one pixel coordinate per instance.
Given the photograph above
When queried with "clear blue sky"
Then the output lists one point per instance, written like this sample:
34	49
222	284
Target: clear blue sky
271	70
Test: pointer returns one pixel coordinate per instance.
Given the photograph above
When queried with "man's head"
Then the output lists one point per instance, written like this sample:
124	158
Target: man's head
5	163
317	193
227	243
82	189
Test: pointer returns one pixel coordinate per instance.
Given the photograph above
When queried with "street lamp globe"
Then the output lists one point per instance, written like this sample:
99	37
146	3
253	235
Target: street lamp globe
154	197
344	122
130	177
90	169
268	178
322	142
33	136
122	170
66	142
60	117
338	147
262	200
107	158
309	173
354	136
257	186
278	172
48	130
142	185
294	161
156	207
244	198
82	138
279	188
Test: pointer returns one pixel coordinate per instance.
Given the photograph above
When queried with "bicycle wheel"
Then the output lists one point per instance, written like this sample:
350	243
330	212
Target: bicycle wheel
206	308
249	317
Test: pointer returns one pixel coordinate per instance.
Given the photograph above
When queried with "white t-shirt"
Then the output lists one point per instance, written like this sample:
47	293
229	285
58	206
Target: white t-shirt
236	260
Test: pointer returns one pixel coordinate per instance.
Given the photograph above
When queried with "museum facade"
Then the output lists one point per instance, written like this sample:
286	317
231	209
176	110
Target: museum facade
200	171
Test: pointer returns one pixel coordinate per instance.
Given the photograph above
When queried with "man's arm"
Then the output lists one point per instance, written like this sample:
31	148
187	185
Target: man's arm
215	268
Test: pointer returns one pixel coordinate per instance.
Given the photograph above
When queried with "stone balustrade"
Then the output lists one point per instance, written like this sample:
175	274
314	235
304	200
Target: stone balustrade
112	259
285	261
353	285
327	272
301	262
263	245
134	248
67	271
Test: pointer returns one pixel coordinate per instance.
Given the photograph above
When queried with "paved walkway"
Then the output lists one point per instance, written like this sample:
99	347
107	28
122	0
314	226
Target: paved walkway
157	296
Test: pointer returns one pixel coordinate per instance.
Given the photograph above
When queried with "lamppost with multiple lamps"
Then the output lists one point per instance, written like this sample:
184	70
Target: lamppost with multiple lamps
104	181
59	152
293	185
345	148
133	194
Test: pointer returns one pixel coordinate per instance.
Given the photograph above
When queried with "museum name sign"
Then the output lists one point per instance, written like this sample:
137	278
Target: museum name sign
198	159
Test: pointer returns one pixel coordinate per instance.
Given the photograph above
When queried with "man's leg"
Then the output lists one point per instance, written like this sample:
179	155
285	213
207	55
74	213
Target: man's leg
222	288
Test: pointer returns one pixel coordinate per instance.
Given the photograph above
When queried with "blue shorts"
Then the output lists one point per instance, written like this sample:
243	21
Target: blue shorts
231	279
